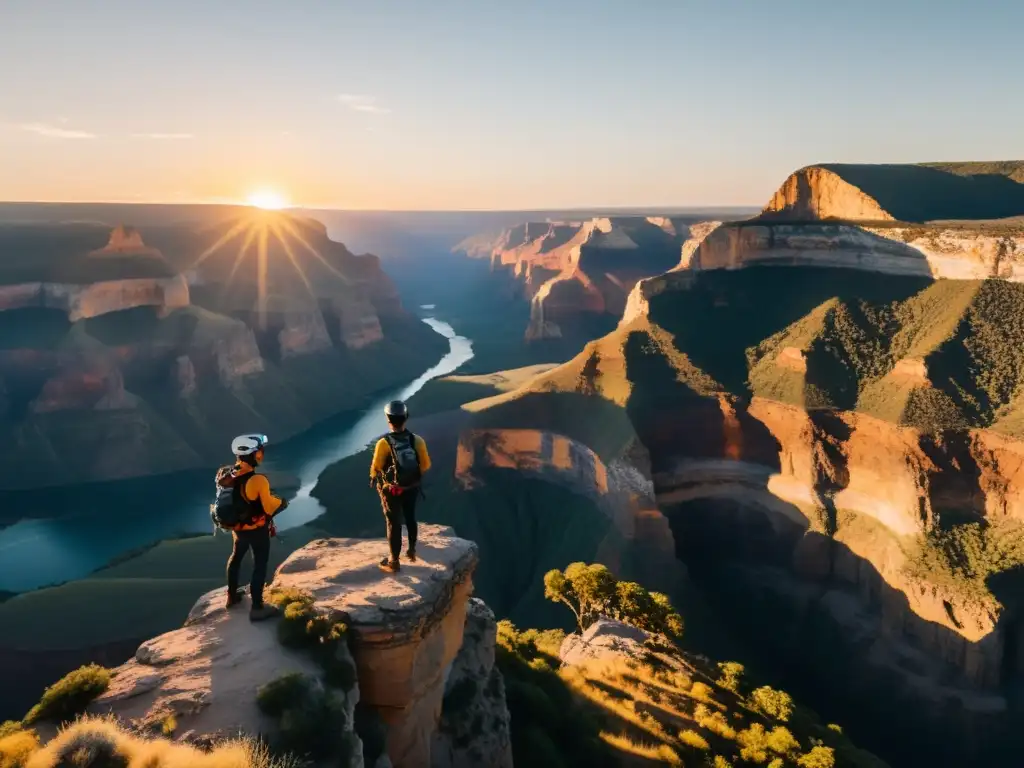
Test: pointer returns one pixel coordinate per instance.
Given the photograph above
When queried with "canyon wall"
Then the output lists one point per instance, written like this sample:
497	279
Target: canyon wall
150	371
936	251
575	271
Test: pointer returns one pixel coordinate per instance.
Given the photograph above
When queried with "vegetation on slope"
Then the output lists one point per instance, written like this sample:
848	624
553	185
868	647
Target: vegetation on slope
933	355
964	558
665	707
104	743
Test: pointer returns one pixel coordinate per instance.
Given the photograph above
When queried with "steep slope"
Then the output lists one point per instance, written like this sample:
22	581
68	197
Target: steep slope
119	358
837	457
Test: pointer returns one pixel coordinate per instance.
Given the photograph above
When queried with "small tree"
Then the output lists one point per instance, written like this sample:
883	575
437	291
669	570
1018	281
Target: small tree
587	590
772	703
590	591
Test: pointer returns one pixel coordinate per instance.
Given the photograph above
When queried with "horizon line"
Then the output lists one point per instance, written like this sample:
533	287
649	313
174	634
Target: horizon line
332	208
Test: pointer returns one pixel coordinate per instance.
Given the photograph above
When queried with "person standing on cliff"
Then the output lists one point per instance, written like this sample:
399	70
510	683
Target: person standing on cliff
399	460
246	506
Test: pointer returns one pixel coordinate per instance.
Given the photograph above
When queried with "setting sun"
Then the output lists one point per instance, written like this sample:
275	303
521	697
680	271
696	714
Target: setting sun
267	200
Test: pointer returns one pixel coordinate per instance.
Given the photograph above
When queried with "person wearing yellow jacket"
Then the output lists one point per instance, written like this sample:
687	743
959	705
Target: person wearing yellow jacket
255	532
400	459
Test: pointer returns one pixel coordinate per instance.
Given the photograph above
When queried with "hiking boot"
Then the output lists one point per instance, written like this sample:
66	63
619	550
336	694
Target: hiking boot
263	612
389	565
410	555
235	598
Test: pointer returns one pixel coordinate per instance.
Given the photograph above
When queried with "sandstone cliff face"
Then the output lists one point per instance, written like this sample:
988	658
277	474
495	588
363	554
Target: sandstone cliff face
621	490
413	637
572	271
934	252
818	193
475	727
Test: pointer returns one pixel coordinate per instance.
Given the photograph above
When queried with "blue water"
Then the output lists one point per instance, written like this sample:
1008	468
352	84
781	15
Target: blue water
70	532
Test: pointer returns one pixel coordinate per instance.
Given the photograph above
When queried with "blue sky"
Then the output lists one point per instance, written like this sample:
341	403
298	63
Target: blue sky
459	104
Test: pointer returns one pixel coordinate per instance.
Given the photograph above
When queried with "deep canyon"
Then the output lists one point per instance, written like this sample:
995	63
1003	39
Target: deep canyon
805	425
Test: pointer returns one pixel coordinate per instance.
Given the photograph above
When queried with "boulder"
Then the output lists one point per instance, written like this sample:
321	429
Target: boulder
604	640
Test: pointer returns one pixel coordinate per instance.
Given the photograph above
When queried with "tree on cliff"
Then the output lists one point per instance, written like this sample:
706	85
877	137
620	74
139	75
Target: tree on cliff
592	591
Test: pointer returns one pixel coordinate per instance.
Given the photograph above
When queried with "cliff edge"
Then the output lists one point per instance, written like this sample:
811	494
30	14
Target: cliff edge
411	639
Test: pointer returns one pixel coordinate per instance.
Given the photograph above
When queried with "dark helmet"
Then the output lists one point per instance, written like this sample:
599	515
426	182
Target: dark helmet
396	409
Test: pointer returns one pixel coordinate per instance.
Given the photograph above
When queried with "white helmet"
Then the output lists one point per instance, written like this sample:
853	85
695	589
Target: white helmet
247	445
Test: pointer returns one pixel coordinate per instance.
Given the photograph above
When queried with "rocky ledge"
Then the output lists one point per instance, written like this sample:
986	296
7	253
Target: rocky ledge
415	638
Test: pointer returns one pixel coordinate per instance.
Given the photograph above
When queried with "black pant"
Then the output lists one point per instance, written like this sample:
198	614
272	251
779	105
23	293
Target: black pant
396	510
258	540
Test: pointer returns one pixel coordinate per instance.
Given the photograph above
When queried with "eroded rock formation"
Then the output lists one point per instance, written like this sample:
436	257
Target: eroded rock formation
573	271
122	356
414	637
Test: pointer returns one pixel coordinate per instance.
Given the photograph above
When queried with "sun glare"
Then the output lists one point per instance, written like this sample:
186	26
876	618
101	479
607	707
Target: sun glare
267	199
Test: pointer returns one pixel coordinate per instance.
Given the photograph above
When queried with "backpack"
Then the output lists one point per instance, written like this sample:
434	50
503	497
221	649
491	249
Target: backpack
230	509
405	462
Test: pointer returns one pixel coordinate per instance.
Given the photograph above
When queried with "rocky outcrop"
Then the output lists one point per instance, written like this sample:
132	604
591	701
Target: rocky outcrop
81	301
413	638
819	193
884	192
125	241
604	640
206	676
475	727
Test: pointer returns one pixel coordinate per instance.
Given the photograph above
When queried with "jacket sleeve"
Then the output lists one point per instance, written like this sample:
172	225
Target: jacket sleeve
258	487
421	452
380	457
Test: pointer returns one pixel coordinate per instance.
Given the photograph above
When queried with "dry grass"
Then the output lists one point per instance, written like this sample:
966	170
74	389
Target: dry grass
103	743
659	753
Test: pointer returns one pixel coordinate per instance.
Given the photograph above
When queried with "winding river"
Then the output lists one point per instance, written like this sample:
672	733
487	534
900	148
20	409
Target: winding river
74	531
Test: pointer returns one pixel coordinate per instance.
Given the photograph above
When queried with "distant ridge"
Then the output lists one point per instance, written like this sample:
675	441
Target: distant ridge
892	192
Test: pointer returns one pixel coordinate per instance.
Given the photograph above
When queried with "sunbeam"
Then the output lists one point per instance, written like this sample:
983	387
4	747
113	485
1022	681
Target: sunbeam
223	240
249	237
291	257
305	243
261	276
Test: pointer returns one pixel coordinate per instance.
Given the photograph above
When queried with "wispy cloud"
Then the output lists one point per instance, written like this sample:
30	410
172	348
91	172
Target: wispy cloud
54	132
163	136
362	103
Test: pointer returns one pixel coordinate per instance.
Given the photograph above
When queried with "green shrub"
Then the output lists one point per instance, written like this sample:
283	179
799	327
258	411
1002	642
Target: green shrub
311	720
818	757
777	705
10	726
289	690
731	675
69	696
